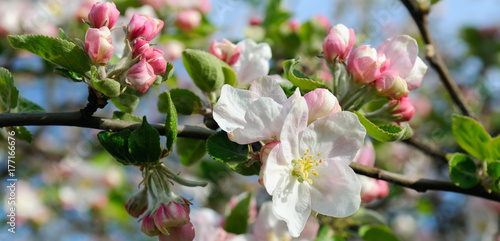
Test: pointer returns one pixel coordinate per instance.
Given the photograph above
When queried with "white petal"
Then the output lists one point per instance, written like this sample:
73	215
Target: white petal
262	122
229	112
417	73
275	169
339	136
336	190
267	222
402	51
266	86
291	203
295	123
253	61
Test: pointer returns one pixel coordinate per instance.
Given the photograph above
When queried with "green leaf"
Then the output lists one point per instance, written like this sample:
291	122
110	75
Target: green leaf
166	105
385	132
493	169
27	106
190	151
116	143
462	170
204	68
299	79
237	221
144	143
108	87
494	148
126	116
185	101
168	72
234	155
376	233
324	234
64	36
471	136
68	74
367	216
58	51
8	92
434	1
229	75
126	102
22	133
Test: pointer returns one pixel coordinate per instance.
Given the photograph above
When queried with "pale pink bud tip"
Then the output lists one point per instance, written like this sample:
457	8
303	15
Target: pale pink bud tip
225	51
338	43
103	14
321	102
392	86
404	109
142	26
98	45
188	20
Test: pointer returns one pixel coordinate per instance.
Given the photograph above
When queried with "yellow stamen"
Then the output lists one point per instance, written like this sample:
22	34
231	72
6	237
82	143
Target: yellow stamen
304	166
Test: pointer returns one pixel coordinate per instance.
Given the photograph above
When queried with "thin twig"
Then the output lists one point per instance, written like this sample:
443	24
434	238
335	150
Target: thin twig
427	149
420	16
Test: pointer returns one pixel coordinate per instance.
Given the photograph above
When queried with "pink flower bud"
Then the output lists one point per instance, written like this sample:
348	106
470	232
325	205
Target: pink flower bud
156	4
137	204
188	20
172	214
392	86
141	76
158	62
182	233
142	26
225	51
404	111
103	14
383	189
204	6
364	64
338	43
366	156
293	24
255	20
98	45
321	102
148	225
142	48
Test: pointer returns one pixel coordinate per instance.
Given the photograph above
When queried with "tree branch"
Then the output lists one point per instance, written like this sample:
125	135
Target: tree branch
427	149
420	16
198	132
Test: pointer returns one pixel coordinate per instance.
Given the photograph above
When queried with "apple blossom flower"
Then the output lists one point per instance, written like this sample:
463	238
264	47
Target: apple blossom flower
141	76
404	111
338	43
143	26
401	54
269	228
225	51
103	14
208	225
253	62
364	64
321	102
98	45
255	114
391	85
188	20
309	168
137	204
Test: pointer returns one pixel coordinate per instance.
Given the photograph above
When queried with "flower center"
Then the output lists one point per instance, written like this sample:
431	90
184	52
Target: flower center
281	237
305	166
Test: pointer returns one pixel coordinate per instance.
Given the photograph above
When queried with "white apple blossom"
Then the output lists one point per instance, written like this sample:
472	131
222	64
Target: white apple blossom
309	168
253	61
269	228
253	115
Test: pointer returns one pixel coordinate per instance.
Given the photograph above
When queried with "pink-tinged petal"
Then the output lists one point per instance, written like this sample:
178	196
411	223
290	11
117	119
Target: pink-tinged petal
276	169
262	122
369	188
402	51
295	123
253	61
321	102
335	190
338	136
416	75
267	223
291	203
391	85
266	86
364	64
182	233
141	76
338	43
311	229
229	112
383	189
366	156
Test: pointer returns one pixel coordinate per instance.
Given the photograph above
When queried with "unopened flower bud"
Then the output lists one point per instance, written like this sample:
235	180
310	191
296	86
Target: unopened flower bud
103	14
322	20
148	225
255	20
404	111
188	20
364	64
98	45
142	48
156	4
392	86
182	233
157	61
338	43
321	102
294	25
137	204
142	26
225	51
171	214
141	76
